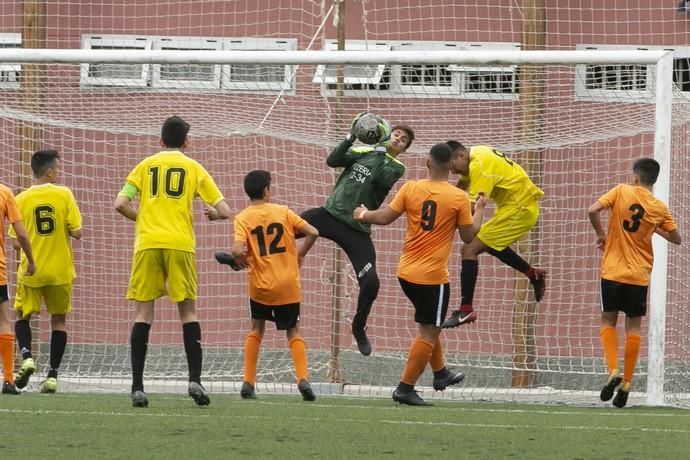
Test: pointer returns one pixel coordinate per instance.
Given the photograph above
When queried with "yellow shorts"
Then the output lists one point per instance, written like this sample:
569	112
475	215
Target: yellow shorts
58	299
152	268
508	225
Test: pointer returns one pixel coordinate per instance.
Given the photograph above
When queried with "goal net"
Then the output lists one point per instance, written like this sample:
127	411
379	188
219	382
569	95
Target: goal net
575	121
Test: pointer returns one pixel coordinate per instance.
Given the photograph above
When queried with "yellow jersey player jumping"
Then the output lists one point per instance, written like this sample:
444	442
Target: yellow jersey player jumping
485	170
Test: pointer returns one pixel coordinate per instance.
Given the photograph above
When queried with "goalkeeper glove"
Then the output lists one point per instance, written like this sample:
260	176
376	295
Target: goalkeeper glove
384	129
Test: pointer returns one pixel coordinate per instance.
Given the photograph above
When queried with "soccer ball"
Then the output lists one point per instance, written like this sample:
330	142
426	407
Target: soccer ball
367	128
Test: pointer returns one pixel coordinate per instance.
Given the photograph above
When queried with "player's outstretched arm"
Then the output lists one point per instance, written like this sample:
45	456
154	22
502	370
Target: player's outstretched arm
468	232
381	216
239	254
220	211
76	234
673	236
595	219
122	205
23	240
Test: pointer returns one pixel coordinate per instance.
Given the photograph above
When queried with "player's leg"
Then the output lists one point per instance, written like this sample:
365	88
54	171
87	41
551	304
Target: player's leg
635	310
181	270
509	224
610	302
469	272
191	335
536	276
58	300
252	345
287	319
359	248
443	377
6	345
430	304
146	283
27	301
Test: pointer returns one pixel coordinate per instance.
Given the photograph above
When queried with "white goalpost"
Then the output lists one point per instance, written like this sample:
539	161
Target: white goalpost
576	120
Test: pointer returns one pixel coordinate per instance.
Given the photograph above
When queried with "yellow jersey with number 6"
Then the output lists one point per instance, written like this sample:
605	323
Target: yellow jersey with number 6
48	212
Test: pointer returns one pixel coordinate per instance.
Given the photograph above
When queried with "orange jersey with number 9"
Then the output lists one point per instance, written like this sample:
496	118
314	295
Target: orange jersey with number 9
434	211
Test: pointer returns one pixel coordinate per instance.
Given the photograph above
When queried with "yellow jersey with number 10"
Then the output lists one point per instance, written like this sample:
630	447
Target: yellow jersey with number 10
167	183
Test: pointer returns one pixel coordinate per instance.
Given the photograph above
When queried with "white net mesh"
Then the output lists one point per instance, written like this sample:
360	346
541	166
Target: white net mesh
577	137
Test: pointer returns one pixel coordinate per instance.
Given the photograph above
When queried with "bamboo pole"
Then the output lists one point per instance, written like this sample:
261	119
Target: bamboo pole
532	87
33	36
334	373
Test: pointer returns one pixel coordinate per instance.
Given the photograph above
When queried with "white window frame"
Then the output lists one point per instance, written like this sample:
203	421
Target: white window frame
11	39
613	95
320	76
395	86
136	43
186	44
260	44
151	73
421	90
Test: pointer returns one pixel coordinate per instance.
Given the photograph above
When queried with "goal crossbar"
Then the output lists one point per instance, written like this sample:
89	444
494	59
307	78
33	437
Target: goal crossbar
507	57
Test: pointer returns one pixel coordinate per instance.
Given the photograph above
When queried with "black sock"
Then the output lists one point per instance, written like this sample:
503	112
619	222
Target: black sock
139	342
22	331
441	372
58	343
191	333
468	280
405	388
511	259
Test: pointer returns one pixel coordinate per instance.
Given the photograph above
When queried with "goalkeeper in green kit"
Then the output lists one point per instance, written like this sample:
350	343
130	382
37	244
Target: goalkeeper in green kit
369	173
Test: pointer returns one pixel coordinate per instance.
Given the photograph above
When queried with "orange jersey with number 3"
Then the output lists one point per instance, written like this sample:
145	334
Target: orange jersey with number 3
635	214
268	230
434	211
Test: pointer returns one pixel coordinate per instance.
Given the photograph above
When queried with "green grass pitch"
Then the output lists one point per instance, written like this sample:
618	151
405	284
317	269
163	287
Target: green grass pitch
69	426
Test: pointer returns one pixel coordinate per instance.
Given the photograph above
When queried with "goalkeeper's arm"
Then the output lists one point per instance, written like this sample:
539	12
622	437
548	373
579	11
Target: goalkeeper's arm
339	156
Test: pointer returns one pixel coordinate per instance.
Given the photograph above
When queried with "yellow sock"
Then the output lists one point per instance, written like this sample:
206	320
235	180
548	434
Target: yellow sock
609	341
251	357
298	349
7	352
437	360
632	351
417	359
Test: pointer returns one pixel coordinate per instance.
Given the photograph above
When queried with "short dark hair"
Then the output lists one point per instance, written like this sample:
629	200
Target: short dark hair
174	132
455	145
647	169
43	160
441	154
408	130
255	182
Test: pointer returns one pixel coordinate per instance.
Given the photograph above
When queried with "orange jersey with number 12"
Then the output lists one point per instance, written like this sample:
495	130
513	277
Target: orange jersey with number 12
269	230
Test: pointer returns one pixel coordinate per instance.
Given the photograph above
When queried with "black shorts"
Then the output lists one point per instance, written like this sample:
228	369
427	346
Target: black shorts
285	316
4	295
430	301
631	299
